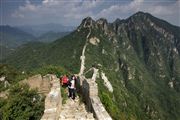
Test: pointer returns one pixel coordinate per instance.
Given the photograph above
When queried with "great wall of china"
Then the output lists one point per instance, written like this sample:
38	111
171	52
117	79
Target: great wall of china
50	86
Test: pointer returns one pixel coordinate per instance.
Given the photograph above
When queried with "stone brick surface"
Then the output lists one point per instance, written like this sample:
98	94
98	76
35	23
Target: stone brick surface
74	110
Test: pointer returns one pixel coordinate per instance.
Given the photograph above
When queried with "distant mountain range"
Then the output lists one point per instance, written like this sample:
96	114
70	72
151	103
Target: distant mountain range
51	36
12	37
139	55
38	30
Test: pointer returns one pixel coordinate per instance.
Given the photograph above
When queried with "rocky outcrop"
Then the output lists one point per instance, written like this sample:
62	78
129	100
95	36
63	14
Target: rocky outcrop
94	41
4	94
87	22
103	24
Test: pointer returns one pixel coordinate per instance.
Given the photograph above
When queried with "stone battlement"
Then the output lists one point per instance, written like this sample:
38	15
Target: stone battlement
93	102
89	88
53	101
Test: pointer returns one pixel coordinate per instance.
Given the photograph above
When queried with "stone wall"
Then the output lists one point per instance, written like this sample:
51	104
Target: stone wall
50	85
93	102
53	101
42	84
34	81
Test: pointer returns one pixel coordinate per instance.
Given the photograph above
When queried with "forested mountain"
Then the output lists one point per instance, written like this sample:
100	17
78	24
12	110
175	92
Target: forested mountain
4	52
12	37
51	36
38	30
139	55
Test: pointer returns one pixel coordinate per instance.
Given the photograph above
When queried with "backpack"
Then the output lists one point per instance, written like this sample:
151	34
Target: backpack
65	80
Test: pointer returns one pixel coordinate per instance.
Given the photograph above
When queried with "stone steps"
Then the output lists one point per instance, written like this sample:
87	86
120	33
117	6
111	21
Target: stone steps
74	110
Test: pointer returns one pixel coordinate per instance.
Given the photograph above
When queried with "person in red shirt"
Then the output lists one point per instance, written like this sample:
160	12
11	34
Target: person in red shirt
64	80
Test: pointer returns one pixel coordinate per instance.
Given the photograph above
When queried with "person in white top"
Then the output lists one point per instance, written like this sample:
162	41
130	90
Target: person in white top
72	88
72	83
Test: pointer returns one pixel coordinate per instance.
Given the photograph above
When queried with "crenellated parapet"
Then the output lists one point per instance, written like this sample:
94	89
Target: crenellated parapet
53	101
93	102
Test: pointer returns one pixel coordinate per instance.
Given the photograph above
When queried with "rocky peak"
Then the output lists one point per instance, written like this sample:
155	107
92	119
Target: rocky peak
139	17
116	24
117	21
141	14
87	22
102	21
102	24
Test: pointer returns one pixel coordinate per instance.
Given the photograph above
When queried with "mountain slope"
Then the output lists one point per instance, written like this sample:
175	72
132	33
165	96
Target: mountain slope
139	56
60	52
12	37
38	30
51	36
4	52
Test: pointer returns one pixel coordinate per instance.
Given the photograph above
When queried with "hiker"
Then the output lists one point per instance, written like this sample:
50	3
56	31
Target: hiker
72	87
64	80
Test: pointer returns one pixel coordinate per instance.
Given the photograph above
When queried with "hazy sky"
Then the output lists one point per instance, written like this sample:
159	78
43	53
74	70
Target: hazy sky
71	12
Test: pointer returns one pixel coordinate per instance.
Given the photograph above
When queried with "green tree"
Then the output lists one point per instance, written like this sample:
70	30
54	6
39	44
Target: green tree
23	104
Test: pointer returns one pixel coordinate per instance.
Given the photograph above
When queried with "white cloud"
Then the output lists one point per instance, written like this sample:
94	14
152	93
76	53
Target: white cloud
55	10
117	10
73	11
28	7
17	15
166	10
141	5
